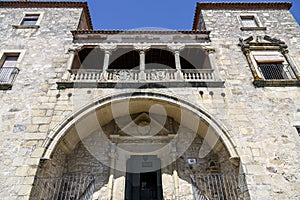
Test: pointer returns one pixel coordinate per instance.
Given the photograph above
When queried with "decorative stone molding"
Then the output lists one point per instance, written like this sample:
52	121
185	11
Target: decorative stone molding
108	47
268	44
141	47
176	47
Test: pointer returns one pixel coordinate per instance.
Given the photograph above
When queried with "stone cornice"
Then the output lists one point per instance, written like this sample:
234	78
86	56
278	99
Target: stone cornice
50	4
111	32
140	32
237	6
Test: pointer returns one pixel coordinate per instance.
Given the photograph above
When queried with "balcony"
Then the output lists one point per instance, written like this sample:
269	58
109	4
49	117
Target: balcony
7	77
84	78
140	67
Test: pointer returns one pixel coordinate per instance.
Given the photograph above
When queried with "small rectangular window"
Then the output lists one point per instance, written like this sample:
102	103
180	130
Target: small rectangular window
249	21
30	19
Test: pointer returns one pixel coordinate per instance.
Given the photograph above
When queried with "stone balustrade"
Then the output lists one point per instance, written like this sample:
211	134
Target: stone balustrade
152	75
88	78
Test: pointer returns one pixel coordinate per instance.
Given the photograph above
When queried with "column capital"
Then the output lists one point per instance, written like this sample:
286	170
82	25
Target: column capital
176	47
141	47
108	47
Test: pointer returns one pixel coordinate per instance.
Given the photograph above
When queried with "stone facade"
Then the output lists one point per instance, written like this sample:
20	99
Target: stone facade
254	126
261	120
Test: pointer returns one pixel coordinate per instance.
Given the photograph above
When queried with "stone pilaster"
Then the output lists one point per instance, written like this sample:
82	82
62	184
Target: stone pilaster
67	74
211	56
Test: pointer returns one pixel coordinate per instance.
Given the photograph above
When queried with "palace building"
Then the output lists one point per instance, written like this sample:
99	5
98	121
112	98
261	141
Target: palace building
211	113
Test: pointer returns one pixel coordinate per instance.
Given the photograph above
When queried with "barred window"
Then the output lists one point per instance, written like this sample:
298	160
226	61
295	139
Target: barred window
270	62
273	66
274	71
8	70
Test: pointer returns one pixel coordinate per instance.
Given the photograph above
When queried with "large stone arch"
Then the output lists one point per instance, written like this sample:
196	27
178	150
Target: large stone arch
67	139
60	133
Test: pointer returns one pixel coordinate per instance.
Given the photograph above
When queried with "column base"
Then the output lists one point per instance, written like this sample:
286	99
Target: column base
142	76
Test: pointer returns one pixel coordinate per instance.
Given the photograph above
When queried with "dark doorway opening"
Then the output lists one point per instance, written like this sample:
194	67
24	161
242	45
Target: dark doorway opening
141	184
148	185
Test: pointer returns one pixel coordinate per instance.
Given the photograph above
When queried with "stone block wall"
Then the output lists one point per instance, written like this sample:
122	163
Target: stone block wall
261	120
27	110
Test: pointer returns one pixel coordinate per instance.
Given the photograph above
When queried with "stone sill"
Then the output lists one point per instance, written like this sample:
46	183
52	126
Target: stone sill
173	84
277	83
26	26
253	28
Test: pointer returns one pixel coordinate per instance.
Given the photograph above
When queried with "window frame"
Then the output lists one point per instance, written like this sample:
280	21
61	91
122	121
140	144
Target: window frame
277	50
266	54
3	55
20	24
255	18
27	18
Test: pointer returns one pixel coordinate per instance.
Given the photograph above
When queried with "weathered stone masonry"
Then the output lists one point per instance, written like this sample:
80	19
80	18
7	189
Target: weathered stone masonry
259	120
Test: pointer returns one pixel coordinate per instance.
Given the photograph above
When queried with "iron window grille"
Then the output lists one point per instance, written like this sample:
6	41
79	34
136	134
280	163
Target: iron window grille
8	71
269	62
278	71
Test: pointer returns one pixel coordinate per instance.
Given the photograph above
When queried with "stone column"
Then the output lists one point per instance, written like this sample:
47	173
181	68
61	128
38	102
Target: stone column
176	48
108	48
291	63
142	49
106	63
67	75
142	65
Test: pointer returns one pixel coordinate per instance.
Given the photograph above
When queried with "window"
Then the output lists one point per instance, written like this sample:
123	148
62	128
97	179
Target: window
250	22
270	62
30	19
8	70
272	65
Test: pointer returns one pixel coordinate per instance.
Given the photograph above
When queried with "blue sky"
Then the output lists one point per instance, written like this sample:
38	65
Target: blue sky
170	14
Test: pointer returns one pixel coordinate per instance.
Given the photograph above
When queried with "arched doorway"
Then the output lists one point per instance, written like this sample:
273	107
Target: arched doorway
105	142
